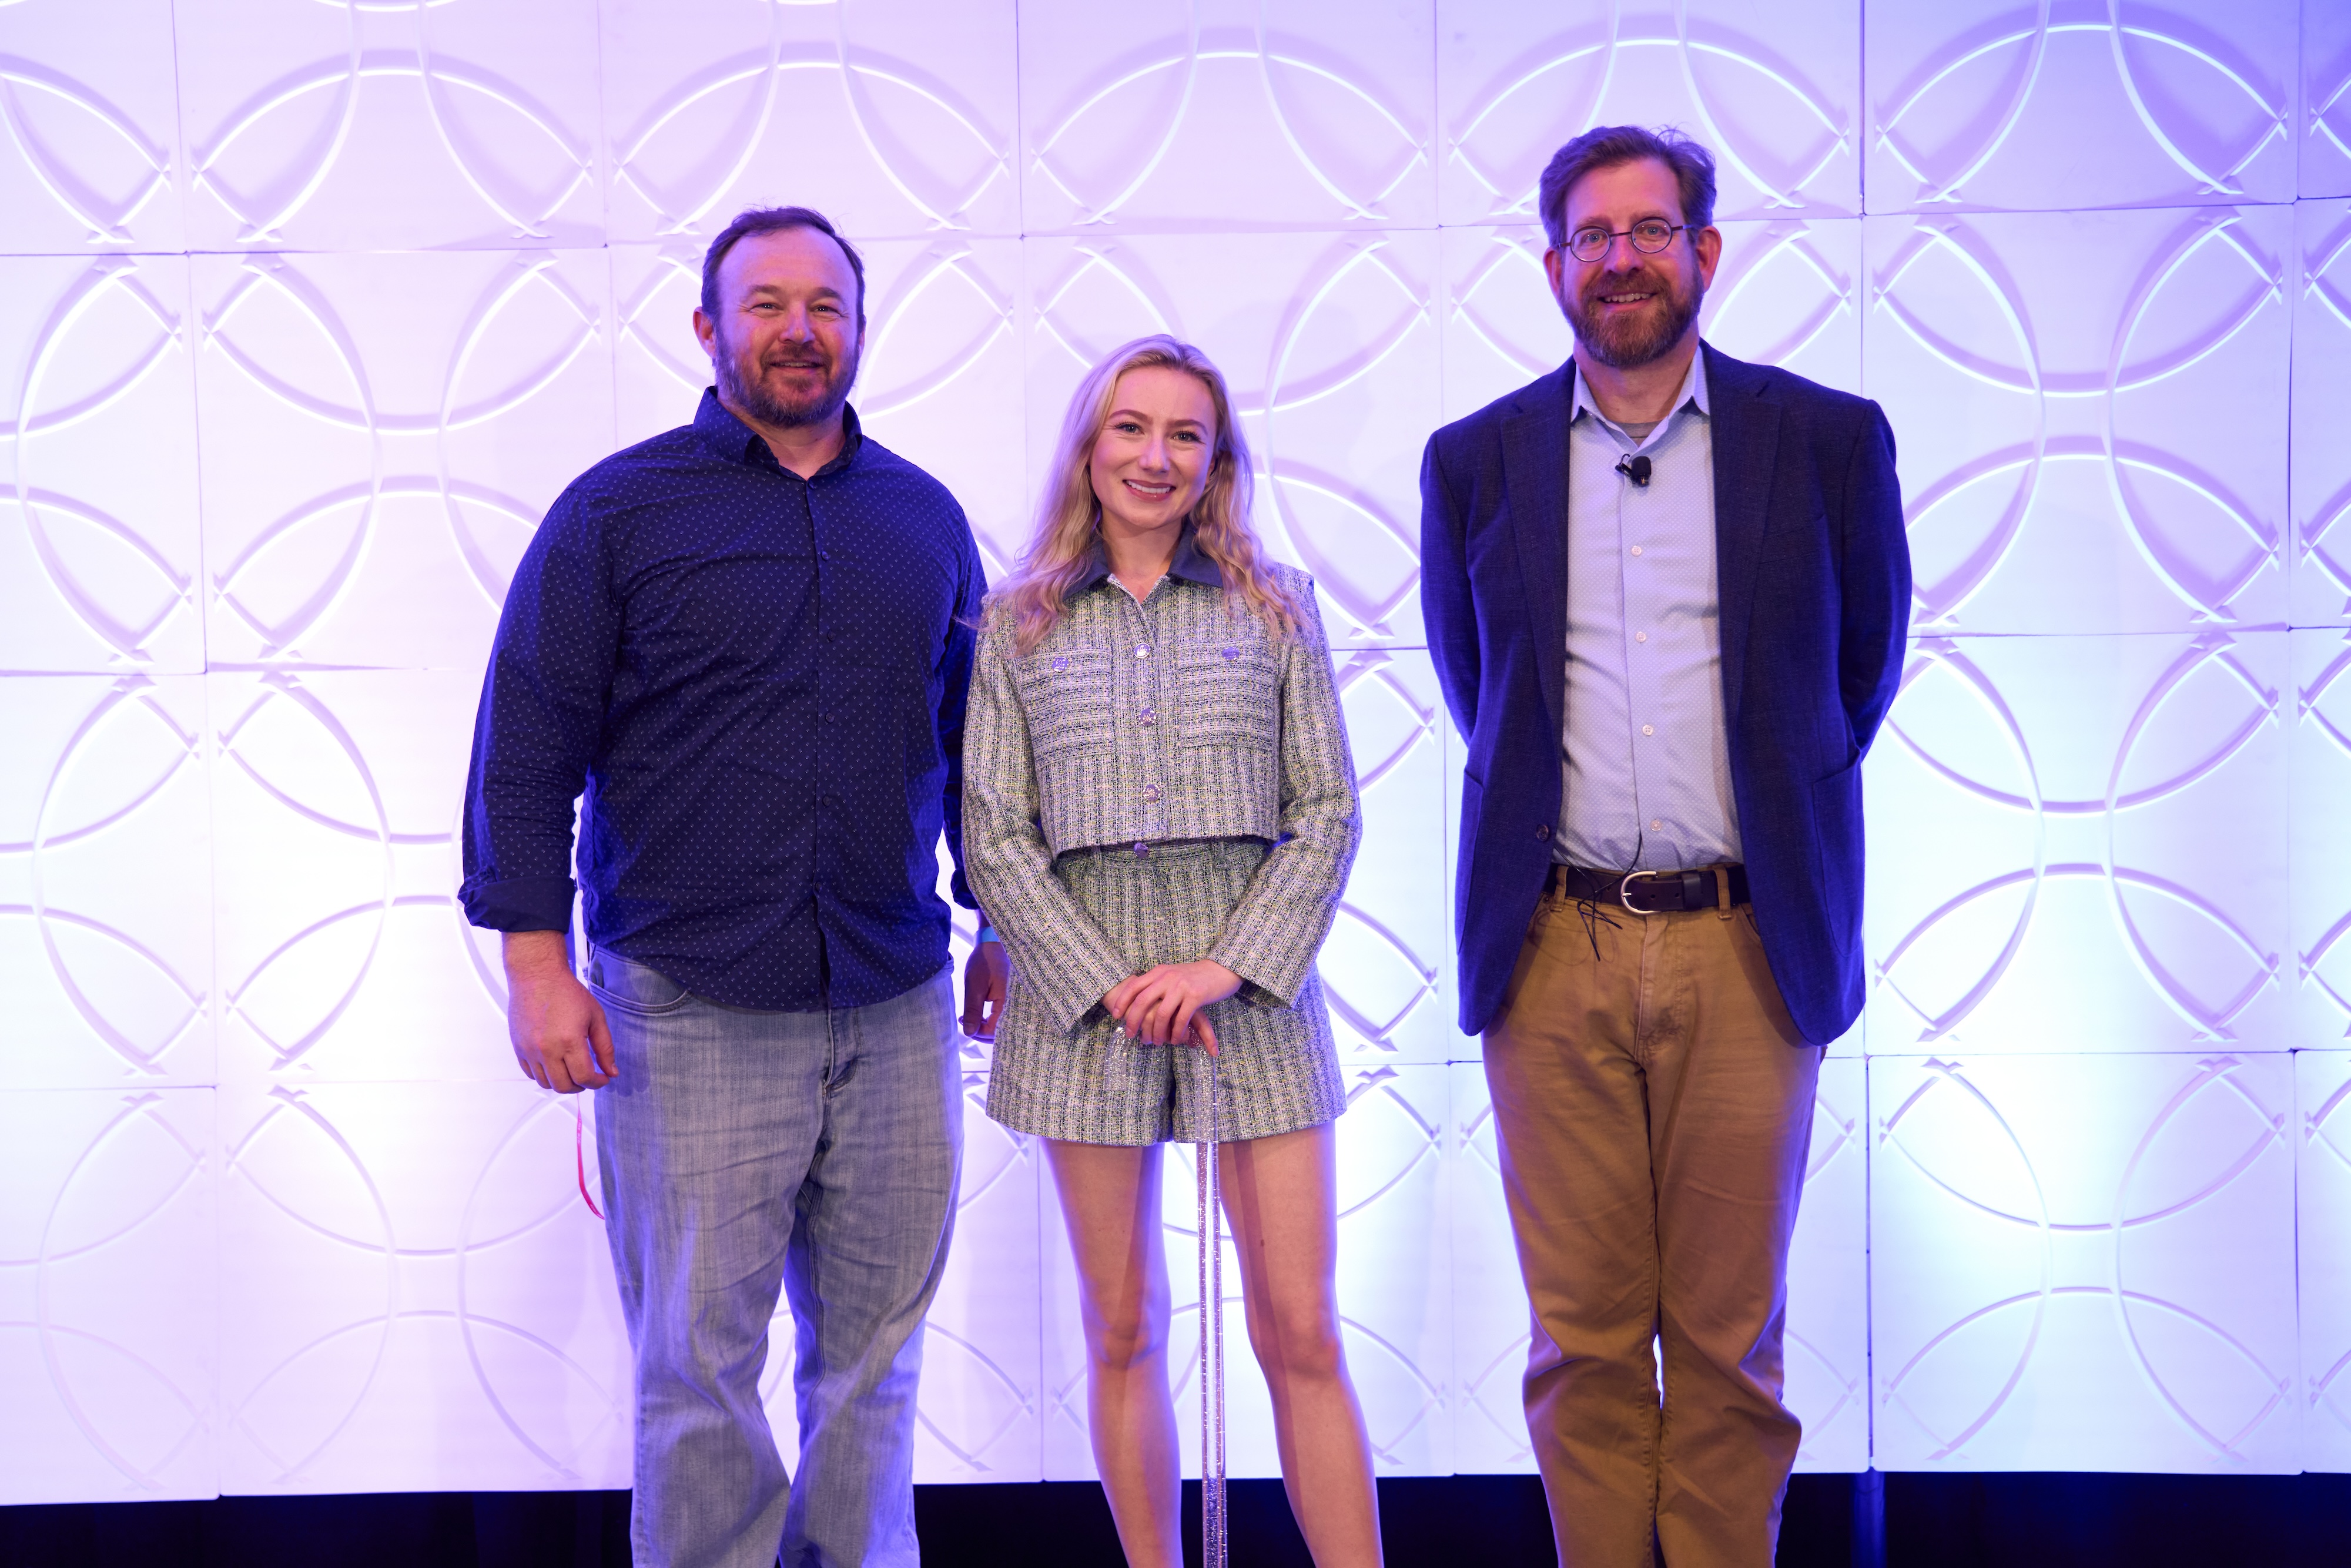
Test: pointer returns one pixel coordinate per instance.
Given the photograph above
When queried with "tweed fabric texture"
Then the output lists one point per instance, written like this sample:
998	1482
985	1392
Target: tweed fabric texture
1179	719
1277	1069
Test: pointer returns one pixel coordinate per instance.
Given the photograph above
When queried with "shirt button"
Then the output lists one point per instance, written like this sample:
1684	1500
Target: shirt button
1148	717
1151	791
1656	822
1636	549
1542	830
1142	651
1640	636
1648	729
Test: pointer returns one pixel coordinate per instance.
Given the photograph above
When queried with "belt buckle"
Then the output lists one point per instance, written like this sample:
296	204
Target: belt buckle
1624	890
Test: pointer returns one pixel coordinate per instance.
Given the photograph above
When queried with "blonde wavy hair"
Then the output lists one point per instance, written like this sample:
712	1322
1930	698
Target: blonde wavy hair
1068	516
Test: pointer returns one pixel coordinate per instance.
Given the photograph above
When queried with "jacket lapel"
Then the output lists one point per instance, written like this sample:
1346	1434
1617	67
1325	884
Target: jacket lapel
1746	429
1534	478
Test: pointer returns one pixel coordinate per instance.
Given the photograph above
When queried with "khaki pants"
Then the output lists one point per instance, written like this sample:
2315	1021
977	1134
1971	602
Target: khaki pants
1655	1108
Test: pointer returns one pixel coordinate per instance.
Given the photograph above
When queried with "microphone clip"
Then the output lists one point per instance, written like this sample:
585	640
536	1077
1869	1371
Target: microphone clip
1636	469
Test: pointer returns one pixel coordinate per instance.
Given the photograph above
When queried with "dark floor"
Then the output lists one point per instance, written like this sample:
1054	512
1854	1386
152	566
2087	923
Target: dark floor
2001	1521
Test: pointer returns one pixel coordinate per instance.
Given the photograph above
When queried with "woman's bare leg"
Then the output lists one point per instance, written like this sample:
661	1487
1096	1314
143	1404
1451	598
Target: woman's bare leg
1282	1194
1110	1199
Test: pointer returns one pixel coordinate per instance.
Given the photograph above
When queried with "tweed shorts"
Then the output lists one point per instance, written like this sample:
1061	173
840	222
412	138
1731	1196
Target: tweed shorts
1277	1069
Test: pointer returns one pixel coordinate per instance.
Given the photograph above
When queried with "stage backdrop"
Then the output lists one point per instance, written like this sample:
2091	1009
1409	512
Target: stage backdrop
308	310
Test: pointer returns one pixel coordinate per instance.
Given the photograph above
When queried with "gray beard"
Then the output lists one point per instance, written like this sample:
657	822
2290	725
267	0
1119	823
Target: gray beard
1627	345
754	398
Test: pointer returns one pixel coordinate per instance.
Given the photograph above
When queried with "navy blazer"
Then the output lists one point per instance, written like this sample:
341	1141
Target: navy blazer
1814	574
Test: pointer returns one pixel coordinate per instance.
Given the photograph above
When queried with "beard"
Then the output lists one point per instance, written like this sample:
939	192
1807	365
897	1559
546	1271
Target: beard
754	397
1624	343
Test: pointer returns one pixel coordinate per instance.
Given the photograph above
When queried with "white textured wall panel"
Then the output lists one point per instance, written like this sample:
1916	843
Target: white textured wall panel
1222	115
340	951
2053	378
2325	99
2321	772
2080	843
2322	1211
1990	104
2084	1262
108	1295
894	117
381	434
414	1295
375	127
91	156
105	883
1491	1315
1774	91
1384	968
98	555
2322	412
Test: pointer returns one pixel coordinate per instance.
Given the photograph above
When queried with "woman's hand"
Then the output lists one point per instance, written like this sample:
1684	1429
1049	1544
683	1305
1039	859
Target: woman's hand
1163	1006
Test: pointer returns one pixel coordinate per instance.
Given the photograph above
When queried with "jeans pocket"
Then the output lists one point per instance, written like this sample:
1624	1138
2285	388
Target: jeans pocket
631	986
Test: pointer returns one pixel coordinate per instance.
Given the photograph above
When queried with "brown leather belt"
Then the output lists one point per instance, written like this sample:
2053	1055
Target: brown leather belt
1654	892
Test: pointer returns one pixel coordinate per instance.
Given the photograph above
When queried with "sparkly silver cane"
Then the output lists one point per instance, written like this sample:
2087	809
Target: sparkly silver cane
1212	1344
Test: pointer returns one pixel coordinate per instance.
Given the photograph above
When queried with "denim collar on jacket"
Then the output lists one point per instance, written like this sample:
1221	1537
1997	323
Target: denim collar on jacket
1191	563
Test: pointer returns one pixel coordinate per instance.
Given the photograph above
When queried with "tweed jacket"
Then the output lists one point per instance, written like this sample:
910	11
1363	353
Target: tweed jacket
1183	717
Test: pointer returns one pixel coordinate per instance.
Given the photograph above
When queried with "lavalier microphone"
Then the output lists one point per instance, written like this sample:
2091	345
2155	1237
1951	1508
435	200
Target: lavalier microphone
1636	469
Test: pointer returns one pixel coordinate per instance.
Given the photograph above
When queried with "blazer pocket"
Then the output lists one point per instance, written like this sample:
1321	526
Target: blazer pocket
1230	693
1065	696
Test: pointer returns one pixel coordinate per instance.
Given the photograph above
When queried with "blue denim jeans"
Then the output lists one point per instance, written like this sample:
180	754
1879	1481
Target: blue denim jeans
743	1152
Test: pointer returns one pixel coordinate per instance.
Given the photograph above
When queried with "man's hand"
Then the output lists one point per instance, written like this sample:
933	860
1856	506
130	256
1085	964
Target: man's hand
558	1029
983	989
1163	1006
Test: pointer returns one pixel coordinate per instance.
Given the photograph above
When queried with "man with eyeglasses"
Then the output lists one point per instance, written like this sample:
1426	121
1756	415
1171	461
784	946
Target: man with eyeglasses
1667	592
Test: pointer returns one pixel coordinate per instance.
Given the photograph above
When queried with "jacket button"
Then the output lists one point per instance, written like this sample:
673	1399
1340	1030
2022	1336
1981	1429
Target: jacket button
1542	830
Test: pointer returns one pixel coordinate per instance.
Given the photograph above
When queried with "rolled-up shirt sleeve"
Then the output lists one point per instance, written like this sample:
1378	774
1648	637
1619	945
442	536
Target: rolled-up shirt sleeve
1273	934
538	726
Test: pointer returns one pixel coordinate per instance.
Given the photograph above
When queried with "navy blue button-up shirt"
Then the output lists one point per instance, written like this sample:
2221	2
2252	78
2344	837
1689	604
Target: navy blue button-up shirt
753	685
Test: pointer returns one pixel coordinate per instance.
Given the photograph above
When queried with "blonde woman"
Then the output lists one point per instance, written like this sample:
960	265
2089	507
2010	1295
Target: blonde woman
1159	813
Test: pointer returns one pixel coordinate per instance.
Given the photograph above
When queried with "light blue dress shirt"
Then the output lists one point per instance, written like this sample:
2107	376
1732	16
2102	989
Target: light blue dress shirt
1645	757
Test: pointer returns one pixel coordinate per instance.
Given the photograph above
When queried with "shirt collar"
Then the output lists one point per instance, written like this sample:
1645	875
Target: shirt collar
736	442
1191	563
1692	395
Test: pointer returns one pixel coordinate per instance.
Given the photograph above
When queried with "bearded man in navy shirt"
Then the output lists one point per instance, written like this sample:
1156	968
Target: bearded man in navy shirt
743	648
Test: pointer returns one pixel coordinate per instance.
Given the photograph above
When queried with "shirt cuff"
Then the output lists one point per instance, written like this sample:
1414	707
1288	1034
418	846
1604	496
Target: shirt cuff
520	903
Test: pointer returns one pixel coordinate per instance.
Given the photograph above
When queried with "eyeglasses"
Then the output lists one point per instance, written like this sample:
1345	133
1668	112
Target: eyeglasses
1649	237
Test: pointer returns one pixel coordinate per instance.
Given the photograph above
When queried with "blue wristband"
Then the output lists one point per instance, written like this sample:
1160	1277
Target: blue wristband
986	934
